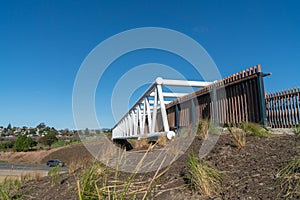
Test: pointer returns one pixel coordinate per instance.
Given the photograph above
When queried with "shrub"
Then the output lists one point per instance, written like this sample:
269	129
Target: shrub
48	139
7	145
24	143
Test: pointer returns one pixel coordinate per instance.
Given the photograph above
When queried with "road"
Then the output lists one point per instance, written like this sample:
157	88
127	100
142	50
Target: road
27	167
16	171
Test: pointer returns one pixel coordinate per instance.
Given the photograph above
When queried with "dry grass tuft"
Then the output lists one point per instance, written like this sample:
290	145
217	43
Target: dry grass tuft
72	167
162	140
25	177
37	176
142	143
78	164
203	127
239	137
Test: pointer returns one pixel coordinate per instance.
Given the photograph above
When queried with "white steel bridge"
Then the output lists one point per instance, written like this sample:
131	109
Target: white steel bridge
142	119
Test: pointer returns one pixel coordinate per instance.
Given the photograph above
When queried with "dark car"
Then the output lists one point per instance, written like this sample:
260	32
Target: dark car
54	163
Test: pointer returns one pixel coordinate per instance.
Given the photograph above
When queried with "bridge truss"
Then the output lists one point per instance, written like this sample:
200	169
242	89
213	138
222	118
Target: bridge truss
142	119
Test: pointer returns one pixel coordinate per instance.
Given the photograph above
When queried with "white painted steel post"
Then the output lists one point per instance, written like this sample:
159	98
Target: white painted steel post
144	117
163	108
154	111
135	128
140	119
148	114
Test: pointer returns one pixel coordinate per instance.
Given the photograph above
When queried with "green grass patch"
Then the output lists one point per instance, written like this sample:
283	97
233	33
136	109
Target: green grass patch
54	173
8	189
59	143
255	129
296	130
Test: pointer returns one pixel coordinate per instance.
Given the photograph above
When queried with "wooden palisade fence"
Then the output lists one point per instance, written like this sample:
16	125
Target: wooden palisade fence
283	108
232	100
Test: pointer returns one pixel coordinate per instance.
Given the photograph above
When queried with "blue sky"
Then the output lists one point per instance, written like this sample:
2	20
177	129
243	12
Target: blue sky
43	43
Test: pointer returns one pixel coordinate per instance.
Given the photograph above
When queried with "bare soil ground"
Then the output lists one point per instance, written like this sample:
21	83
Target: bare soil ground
248	173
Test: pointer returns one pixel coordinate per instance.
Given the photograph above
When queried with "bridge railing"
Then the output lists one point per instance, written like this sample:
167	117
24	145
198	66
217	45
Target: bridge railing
232	100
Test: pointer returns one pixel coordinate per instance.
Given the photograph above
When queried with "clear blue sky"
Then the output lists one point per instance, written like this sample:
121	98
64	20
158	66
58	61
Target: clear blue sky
43	43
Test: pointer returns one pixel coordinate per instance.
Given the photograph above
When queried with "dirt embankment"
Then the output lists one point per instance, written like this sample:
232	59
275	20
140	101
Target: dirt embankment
66	154
248	173
34	157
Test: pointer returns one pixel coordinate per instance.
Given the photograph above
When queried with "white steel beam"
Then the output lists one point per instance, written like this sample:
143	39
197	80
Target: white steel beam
171	94
161	81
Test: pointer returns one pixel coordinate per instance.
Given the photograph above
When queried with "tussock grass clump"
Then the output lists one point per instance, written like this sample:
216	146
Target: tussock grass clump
239	136
202	129
54	173
203	177
205	127
37	176
288	178
187	131
8	188
25	177
78	164
255	129
87	185
142	143
98	182
162	140
72	167
296	130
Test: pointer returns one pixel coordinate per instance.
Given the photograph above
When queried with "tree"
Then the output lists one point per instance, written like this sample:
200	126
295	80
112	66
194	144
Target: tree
48	139
41	126
24	143
9	126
